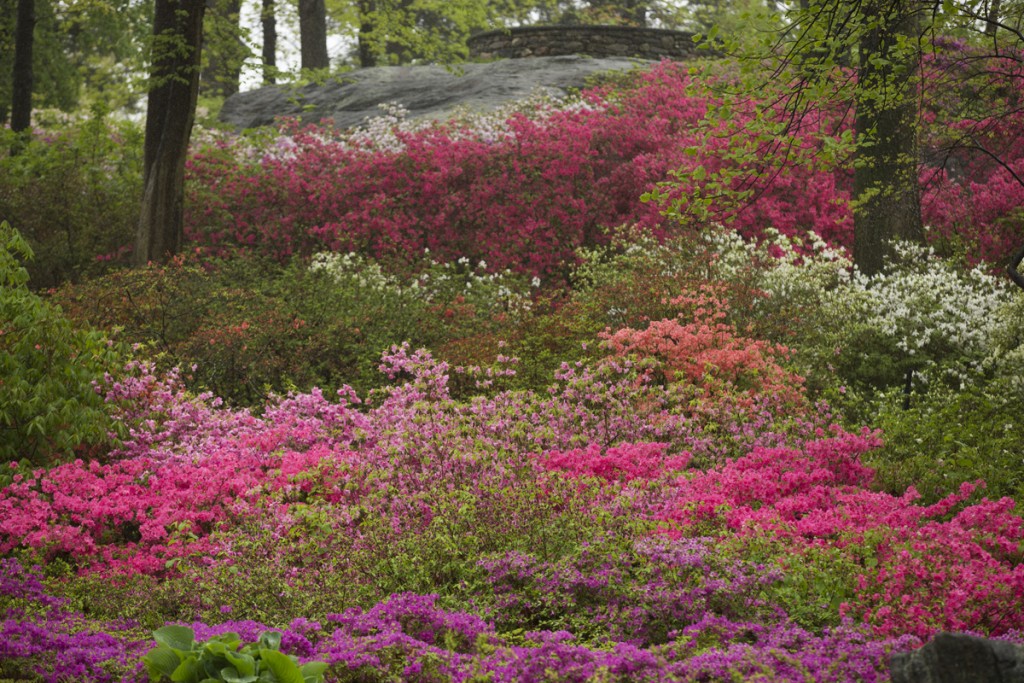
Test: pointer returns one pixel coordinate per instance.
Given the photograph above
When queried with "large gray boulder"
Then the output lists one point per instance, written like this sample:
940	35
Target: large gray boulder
960	658
425	91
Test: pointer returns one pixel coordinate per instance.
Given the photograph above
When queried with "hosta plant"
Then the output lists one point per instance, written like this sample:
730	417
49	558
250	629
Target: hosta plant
179	658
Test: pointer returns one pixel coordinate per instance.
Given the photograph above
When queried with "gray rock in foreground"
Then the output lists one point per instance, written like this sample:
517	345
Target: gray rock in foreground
426	91
959	658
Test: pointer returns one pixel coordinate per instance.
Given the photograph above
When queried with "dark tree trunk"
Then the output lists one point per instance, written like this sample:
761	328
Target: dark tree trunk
8	18
313	34
269	22
225	50
173	90
887	199
21	84
367	54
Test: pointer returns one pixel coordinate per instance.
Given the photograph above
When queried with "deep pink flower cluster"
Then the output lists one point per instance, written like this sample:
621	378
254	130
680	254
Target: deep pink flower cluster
624	462
932	567
527	199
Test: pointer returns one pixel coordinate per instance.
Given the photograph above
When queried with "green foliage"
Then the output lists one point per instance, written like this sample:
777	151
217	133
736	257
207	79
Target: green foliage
180	659
947	437
626	284
226	47
74	195
403	32
331	571
86	52
251	327
144	600
816	582
48	405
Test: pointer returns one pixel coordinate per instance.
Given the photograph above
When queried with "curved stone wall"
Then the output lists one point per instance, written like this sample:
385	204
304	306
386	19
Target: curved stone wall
594	41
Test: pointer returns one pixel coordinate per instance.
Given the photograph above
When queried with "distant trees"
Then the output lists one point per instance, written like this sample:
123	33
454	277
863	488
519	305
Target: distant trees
406	31
225	48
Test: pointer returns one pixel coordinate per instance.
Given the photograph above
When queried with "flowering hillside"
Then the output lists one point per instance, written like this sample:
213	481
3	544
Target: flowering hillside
525	189
474	429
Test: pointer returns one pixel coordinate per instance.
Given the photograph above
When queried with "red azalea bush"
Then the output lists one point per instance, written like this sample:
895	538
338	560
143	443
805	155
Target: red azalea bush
525	201
708	353
528	198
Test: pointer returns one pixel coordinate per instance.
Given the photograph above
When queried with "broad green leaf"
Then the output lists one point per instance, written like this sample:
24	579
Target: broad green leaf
231	675
270	640
313	672
175	637
231	639
283	668
215	648
245	664
188	671
161	661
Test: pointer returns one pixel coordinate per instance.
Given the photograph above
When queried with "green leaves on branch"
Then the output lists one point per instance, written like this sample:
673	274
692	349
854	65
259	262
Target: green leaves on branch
178	658
48	405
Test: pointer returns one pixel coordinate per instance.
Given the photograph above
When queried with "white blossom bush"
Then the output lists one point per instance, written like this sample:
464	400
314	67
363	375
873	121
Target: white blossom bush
433	282
921	315
929	352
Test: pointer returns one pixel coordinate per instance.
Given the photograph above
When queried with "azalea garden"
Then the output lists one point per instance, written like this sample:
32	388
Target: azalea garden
577	391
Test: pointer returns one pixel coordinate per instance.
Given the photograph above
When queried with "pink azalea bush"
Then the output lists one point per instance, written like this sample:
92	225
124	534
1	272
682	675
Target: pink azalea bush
389	476
526	200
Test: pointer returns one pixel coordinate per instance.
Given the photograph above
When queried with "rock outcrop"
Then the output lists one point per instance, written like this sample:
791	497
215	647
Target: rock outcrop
960	658
425	91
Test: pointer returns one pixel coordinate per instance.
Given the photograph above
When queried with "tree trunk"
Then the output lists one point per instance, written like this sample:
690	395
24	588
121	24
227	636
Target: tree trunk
225	49
269	23
886	194
313	34
173	90
21	85
367	53
992	18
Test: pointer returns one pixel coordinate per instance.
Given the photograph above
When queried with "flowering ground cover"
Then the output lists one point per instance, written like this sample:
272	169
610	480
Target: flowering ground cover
655	453
638	520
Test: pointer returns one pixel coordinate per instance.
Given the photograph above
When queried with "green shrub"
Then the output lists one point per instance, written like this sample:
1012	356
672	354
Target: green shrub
251	327
49	407
946	437
73	192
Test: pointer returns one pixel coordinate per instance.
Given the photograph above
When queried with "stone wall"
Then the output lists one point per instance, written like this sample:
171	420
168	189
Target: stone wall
593	41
